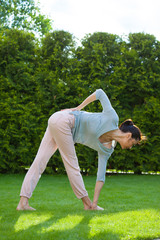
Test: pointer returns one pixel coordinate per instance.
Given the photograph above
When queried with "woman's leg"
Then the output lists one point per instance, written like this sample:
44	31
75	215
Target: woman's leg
46	150
61	129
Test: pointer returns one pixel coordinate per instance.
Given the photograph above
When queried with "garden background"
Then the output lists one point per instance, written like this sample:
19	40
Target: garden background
43	71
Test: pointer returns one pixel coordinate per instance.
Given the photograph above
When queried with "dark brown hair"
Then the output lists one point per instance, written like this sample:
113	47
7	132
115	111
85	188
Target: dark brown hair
128	126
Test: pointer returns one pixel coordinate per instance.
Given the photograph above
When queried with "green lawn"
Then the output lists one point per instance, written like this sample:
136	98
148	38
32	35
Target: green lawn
132	209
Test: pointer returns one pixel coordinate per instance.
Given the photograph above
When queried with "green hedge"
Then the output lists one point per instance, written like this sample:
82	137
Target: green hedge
39	78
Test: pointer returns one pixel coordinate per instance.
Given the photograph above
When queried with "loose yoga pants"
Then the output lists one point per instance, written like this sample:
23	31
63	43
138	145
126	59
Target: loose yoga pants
58	135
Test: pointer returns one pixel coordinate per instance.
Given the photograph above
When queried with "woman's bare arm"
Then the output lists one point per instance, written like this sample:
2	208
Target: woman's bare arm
98	187
88	100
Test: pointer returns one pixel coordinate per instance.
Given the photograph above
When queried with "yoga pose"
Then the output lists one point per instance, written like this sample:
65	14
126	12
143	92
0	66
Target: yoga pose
98	131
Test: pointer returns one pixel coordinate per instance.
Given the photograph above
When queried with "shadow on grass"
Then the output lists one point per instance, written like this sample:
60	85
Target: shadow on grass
54	228
67	226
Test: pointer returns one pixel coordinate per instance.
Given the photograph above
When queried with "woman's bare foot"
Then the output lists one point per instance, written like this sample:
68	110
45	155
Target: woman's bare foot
87	207
24	205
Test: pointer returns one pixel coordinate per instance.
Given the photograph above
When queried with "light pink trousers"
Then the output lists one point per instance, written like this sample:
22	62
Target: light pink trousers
58	135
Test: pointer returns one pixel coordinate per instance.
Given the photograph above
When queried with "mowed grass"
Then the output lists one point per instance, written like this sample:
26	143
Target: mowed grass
132	209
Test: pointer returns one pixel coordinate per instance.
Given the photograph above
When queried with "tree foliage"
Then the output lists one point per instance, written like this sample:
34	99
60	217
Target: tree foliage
23	15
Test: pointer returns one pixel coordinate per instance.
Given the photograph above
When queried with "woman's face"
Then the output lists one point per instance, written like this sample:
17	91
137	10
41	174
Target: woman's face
128	143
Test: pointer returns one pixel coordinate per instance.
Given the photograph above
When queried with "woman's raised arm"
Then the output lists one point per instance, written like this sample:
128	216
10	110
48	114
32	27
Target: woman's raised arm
88	100
100	95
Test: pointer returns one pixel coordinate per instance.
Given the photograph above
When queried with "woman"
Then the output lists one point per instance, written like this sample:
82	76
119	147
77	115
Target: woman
95	130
